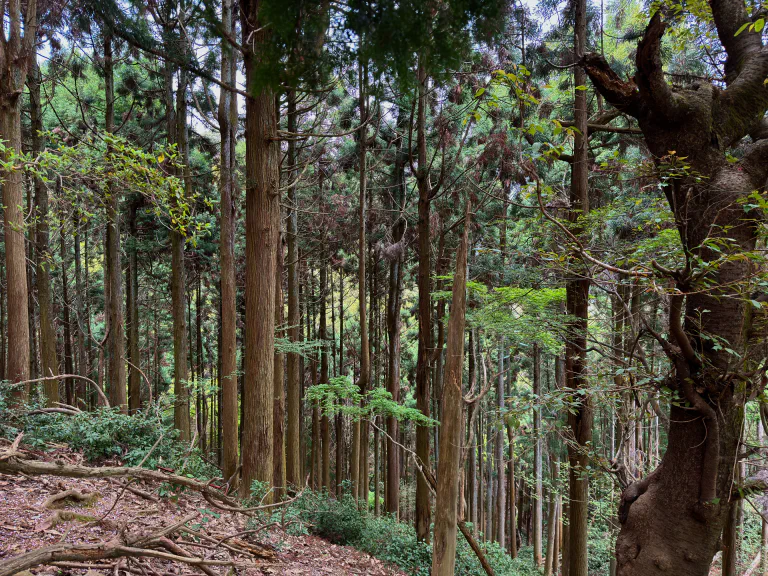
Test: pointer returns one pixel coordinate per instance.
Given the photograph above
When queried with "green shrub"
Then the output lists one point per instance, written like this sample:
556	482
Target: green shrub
342	522
107	433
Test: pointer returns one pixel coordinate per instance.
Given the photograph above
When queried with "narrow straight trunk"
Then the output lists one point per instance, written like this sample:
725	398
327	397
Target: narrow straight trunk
132	310
365	352
325	426
512	492
730	536
577	304
228	409
261	240
292	444
423	512
181	376
118	392
550	565
69	385
83	345
394	304
501	482
537	467
444	549
43	256
340	445
278	414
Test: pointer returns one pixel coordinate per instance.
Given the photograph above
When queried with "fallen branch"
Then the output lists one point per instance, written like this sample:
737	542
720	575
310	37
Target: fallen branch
64	376
70	495
15	465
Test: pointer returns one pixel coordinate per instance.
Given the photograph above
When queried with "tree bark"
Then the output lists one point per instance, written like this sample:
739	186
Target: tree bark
365	351
537	467
444	549
423	512
43	256
673	518
228	410
293	448
577	305
132	309
262	225
118	392
278	424
15	58
325	425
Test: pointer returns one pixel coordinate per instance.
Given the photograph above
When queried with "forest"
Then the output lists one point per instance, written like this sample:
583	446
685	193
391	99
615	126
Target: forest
421	287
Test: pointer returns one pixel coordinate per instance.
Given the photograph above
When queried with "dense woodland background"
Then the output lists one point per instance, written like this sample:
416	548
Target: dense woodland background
458	264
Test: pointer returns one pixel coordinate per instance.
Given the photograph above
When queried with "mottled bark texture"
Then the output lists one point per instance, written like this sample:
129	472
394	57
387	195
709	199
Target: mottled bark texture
671	521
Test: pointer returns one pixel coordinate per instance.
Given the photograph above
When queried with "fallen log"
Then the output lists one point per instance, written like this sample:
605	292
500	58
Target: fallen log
15	465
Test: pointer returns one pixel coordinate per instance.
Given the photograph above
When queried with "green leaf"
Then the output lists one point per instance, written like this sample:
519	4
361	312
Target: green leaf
480	92
759	24
740	30
580	88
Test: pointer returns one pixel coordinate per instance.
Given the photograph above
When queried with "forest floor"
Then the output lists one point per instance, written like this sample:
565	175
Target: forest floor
30	520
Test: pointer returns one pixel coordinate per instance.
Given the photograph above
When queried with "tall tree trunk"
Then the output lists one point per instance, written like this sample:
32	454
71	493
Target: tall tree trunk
69	385
181	376
132	309
577	304
552	551
365	351
394	303
118	392
444	549
423	512
262	226
501	482
278	424
228	409
512	493
537	468
325	427
15	57
293	445
673	518
44	259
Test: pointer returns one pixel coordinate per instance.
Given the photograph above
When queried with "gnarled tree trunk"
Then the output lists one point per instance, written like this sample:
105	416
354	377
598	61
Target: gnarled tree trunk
671	521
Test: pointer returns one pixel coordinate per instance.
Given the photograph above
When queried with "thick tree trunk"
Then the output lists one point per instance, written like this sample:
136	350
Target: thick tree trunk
444	549
262	225
15	58
672	519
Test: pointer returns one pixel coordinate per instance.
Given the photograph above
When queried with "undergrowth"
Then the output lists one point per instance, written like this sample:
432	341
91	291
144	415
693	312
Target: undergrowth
107	434
383	537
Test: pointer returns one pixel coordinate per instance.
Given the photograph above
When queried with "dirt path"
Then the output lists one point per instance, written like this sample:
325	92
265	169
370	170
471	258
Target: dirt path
26	524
